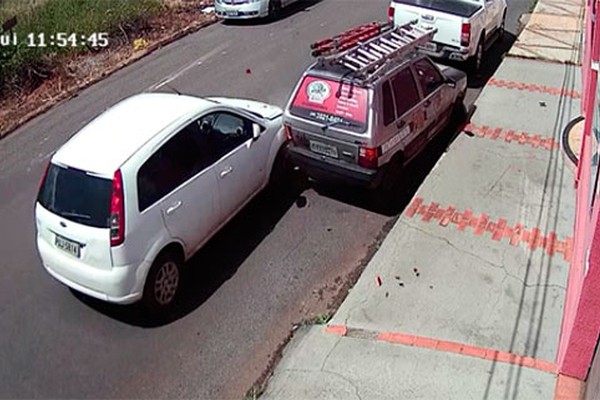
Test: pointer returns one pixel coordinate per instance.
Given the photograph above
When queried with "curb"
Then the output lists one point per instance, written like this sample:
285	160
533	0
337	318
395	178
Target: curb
137	55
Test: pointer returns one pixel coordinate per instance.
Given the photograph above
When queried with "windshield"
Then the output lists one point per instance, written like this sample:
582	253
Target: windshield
343	105
76	196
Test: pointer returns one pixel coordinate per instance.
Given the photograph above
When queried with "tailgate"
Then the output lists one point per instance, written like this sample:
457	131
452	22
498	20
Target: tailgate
445	16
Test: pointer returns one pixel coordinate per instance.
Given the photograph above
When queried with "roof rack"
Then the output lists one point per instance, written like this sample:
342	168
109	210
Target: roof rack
370	50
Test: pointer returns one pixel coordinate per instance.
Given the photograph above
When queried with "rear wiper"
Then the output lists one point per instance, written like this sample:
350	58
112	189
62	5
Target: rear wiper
339	122
75	215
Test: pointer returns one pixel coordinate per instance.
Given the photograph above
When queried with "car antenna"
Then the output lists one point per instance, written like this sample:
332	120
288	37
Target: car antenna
173	89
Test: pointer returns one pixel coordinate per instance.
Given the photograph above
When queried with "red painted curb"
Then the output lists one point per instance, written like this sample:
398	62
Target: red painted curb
533	238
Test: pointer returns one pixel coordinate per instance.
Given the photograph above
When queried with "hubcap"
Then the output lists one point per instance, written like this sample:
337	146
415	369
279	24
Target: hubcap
166	282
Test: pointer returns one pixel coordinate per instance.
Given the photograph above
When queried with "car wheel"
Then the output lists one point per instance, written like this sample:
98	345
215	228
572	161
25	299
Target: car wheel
502	28
162	283
280	175
387	195
274	8
476	60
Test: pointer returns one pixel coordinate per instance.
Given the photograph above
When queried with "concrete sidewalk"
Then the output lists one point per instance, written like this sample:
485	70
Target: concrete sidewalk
464	297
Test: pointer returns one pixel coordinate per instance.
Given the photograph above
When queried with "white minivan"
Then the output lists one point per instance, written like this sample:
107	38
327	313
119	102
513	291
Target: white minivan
128	199
247	9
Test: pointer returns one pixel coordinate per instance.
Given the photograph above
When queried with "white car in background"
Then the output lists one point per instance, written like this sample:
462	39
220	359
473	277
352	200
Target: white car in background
247	9
127	200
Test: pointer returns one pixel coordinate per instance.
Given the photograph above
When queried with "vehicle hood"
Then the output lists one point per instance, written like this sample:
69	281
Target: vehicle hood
265	110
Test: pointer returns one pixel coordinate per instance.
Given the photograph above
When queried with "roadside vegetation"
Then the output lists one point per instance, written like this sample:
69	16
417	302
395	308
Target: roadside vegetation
24	66
96	38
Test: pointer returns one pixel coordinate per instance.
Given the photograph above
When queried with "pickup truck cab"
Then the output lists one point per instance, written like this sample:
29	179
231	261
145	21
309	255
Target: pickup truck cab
464	28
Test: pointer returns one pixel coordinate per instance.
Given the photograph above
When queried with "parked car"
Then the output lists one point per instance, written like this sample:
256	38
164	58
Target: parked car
134	194
465	28
247	9
360	123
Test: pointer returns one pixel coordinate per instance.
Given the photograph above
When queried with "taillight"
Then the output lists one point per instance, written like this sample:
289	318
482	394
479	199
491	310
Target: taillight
44	176
288	132
391	14
367	157
465	35
117	211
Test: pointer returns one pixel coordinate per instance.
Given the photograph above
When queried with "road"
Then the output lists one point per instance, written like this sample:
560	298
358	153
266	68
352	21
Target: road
284	259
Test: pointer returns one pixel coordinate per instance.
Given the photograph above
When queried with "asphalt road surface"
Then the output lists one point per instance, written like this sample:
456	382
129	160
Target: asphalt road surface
282	260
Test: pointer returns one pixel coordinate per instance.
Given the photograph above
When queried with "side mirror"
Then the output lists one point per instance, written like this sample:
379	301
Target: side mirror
256	131
450	82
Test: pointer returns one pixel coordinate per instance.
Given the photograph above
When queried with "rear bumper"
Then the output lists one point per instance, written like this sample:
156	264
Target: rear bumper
327	169
449	52
241	11
121	285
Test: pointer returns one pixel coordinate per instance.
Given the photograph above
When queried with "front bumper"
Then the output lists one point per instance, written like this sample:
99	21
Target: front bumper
327	169
241	11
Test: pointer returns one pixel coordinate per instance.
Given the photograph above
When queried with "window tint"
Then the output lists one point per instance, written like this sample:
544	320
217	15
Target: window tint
77	196
388	104
228	132
406	93
175	162
428	75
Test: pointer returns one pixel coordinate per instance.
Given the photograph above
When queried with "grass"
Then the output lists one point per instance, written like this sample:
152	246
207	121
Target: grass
20	64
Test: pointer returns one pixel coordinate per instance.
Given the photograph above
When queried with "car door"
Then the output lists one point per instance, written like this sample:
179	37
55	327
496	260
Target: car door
238	166
436	97
409	111
178	183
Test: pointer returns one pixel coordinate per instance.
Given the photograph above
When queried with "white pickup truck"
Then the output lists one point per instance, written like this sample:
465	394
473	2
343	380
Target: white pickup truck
465	28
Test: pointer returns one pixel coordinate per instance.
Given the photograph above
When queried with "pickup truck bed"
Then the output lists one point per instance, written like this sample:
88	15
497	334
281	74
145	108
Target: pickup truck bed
459	8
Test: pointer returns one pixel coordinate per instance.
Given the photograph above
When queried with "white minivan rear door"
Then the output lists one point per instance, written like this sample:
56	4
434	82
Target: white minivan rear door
72	213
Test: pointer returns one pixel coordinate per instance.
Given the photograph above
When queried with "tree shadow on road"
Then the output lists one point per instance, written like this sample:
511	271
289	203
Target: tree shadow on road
217	261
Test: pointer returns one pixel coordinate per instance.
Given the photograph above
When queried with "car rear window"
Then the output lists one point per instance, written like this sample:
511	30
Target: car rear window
332	102
77	196
463	9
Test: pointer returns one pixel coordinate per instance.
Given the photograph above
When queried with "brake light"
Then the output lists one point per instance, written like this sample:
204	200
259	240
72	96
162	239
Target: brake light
465	35
44	176
117	211
367	157
391	14
288	132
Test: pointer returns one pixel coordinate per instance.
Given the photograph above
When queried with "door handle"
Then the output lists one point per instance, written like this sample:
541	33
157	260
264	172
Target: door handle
427	103
226	171
173	207
401	124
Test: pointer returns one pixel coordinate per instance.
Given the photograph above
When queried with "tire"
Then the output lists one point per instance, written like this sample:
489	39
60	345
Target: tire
386	195
475	62
274	9
280	175
162	283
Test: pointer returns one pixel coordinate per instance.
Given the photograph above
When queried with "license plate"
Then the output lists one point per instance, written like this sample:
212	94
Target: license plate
325	149
429	46
232	13
67	246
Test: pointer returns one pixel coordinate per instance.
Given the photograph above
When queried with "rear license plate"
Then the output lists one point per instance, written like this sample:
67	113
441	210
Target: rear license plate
67	246
324	149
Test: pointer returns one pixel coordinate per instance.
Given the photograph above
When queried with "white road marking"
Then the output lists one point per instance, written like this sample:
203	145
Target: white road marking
183	70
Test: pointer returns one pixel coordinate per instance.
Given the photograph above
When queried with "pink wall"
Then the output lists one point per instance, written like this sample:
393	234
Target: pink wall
581	319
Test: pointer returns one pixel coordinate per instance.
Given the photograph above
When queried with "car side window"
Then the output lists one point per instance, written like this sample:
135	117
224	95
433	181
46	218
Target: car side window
406	93
172	164
428	75
227	131
388	104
